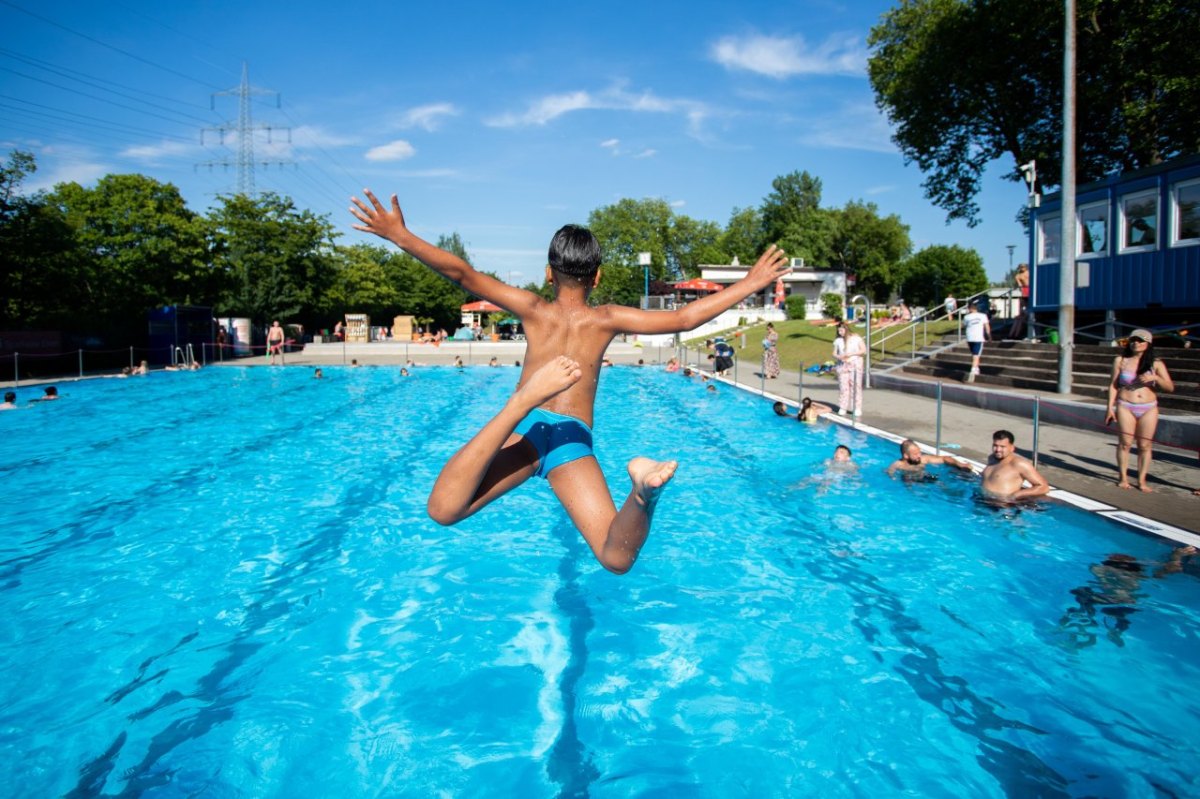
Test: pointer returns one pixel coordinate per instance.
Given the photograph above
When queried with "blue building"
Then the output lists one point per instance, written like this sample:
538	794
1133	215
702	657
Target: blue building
1137	241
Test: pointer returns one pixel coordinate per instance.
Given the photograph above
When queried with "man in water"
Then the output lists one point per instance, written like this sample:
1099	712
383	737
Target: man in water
912	462
10	401
1006	473
545	428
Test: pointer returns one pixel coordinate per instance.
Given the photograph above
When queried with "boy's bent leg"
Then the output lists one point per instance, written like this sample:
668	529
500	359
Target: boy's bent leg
615	537
494	461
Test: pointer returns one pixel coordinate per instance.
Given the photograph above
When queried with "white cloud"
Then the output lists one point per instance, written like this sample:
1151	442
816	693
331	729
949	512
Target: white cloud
313	136
427	117
156	153
647	153
784	57
876	190
610	143
851	127
81	172
678	203
616	98
394	151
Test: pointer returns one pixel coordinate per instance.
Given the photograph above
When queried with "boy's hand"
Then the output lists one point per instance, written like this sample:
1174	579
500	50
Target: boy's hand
771	265
377	220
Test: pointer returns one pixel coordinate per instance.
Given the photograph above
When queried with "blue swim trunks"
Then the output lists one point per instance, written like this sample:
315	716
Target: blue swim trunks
557	438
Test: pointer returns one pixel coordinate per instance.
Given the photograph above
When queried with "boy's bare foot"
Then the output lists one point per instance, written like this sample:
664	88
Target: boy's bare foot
1123	484
649	477
1145	488
556	376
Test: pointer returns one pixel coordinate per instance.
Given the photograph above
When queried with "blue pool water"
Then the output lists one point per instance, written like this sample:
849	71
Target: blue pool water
224	584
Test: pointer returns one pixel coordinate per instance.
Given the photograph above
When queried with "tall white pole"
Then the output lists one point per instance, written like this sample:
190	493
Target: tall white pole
1066	255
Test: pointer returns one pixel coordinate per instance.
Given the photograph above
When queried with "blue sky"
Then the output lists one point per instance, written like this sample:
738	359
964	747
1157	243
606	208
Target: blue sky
499	121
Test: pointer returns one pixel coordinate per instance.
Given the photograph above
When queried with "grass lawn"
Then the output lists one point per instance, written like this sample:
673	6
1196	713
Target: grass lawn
802	341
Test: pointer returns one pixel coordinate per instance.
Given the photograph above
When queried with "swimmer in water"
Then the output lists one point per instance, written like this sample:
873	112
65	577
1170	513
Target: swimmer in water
912	462
1007	472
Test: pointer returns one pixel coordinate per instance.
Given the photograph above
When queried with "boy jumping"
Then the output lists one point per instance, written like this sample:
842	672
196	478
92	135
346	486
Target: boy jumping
545	427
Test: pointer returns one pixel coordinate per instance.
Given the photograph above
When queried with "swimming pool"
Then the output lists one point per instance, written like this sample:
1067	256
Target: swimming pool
224	584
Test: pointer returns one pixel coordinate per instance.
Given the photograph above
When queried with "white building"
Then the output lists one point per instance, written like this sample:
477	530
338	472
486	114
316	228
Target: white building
801	281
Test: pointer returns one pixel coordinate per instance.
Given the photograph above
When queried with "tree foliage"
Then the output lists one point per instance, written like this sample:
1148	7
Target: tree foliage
35	244
967	83
869	246
136	246
275	261
942	271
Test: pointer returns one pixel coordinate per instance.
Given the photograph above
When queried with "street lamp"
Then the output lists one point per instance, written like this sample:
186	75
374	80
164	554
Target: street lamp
644	262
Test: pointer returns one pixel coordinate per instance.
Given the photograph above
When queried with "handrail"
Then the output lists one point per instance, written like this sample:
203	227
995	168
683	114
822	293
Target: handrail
936	314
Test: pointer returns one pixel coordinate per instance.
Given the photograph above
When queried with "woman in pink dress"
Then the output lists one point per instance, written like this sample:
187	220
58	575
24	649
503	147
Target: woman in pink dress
848	351
771	352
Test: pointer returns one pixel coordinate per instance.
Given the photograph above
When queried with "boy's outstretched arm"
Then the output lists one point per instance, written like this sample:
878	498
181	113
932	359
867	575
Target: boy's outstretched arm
771	265
389	223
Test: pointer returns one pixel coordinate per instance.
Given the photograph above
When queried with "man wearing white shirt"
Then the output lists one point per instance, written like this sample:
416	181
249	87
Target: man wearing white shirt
978	330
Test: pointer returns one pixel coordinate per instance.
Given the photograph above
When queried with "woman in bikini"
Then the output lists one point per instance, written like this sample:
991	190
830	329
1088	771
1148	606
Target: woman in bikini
1136	374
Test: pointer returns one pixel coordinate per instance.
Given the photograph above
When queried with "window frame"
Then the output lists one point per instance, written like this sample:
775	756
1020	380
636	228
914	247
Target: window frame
1079	212
1056	218
1123	220
1174	239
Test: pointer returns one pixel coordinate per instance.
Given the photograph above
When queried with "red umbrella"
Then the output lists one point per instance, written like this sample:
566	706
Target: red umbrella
699	284
481	306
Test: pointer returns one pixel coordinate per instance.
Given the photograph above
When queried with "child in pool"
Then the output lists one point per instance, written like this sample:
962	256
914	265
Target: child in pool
544	428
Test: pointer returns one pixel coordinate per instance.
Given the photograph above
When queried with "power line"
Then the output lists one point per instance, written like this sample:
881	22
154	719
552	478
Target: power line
95	82
94	40
101	99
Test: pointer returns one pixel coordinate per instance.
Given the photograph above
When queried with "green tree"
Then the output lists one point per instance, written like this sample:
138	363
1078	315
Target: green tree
793	198
940	271
275	261
363	282
677	244
966	83
744	237
137	246
40	286
869	246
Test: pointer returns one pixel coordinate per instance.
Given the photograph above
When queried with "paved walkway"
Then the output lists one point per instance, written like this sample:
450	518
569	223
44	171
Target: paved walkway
1075	456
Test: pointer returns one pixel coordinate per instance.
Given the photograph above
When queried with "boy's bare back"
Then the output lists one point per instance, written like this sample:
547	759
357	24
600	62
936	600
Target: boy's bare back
567	325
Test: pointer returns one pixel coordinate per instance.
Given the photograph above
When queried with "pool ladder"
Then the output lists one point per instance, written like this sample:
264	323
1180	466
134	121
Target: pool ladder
180	357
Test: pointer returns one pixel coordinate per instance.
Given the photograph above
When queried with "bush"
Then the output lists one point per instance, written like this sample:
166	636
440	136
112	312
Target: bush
795	307
831	305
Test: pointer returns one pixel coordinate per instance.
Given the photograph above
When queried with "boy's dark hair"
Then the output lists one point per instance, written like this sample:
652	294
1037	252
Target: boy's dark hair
843	446
574	252
999	434
10	396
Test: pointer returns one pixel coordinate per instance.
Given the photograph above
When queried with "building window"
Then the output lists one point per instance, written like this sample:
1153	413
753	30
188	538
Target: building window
1093	230
1186	212
1049	230
1139	221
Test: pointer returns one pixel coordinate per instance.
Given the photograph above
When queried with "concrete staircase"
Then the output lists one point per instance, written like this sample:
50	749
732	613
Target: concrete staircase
1024	365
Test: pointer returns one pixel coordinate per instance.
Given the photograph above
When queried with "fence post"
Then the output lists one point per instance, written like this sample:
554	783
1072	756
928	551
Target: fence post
800	389
131	358
80	362
1037	416
937	447
344	348
16	370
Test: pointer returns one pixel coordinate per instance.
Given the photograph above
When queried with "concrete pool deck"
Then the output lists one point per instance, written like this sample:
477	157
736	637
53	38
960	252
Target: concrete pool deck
1075	453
